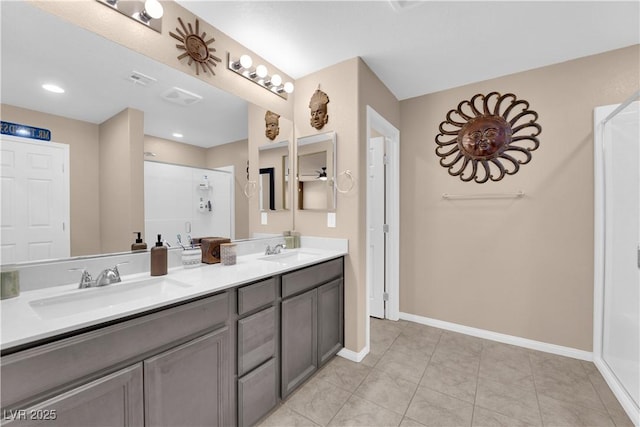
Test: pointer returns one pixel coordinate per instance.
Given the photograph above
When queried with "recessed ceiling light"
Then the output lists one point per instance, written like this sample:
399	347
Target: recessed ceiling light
177	135
52	88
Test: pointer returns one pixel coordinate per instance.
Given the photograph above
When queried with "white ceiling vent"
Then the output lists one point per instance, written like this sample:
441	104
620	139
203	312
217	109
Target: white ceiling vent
181	96
141	79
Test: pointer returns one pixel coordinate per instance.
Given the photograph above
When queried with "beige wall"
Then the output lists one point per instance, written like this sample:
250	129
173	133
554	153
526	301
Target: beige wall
236	154
371	92
82	138
277	221
177	153
351	86
121	180
521	267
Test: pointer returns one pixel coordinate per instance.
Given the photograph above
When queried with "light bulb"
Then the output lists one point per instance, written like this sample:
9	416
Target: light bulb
246	61
276	80
261	71
288	87
52	88
152	9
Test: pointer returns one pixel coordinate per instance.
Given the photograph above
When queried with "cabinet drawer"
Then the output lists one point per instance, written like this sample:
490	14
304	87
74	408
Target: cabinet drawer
65	362
256	295
256	339
257	394
310	277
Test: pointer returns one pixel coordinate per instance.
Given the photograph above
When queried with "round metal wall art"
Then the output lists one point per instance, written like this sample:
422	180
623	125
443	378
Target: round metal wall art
196	47
483	133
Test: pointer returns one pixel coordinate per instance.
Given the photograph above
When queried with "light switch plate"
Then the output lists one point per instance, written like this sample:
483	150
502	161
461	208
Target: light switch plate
263	218
331	219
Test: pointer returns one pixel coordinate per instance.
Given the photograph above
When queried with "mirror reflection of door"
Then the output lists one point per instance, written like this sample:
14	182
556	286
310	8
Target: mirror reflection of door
274	189
267	189
312	181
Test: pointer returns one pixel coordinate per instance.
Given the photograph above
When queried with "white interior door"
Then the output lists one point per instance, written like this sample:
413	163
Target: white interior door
375	225
621	308
35	200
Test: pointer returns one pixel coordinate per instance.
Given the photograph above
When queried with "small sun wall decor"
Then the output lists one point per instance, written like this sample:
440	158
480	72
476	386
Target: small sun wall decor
486	130
197	49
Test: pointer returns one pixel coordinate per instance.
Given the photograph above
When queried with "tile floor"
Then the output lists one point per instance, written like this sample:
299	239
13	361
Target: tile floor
417	375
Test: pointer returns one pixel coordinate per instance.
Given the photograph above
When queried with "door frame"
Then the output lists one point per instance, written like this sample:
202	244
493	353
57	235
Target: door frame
377	123
601	115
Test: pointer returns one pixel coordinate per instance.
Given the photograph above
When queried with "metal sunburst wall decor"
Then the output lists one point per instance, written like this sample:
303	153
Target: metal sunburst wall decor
488	130
197	49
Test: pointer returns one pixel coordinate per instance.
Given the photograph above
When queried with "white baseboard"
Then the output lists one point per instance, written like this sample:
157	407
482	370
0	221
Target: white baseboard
503	338
352	355
618	390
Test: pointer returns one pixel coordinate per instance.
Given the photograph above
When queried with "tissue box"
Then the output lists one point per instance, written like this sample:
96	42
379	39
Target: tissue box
211	248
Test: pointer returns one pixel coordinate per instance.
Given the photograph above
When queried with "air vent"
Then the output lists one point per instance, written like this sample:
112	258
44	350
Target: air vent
141	79
181	96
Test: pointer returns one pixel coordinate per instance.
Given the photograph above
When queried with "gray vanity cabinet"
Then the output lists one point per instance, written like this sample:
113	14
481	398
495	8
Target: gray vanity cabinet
299	340
114	400
199	367
257	364
166	368
330	320
312	321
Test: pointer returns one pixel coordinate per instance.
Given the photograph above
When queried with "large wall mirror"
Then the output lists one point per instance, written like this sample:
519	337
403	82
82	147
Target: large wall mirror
185	120
273	184
316	172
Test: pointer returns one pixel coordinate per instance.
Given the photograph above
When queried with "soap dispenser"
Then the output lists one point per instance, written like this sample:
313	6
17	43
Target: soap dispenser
139	245
159	258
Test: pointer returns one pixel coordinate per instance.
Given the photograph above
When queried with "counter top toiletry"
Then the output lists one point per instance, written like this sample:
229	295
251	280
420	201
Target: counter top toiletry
228	253
159	258
191	257
139	245
45	313
9	283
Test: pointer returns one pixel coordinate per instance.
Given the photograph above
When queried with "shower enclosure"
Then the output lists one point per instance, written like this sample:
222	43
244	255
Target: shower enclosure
617	250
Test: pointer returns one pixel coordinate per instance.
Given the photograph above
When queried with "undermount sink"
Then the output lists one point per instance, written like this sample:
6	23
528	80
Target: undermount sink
84	300
289	257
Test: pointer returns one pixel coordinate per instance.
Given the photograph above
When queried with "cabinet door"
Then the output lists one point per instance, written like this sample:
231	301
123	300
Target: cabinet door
113	400
299	340
330	320
189	384
256	339
257	393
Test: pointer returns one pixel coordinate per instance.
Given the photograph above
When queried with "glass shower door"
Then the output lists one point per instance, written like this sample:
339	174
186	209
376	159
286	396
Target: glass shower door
621	319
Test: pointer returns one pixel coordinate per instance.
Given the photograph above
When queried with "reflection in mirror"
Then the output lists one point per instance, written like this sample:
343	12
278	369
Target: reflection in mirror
267	190
274	176
118	104
316	172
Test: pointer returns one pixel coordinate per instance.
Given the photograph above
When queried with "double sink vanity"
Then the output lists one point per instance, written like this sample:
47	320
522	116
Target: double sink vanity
214	345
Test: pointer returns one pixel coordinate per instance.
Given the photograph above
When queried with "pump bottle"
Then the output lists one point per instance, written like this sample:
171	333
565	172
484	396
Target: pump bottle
159	258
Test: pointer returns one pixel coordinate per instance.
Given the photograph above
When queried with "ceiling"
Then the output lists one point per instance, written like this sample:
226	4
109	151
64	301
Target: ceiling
414	48
419	47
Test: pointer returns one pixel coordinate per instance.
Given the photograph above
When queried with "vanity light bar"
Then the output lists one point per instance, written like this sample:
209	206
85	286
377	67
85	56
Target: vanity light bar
243	66
147	12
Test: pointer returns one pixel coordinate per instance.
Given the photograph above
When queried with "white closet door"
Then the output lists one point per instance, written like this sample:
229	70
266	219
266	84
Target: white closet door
35	200
375	224
621	326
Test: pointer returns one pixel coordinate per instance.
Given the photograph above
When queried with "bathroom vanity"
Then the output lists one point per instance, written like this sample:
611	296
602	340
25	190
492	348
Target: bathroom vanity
219	353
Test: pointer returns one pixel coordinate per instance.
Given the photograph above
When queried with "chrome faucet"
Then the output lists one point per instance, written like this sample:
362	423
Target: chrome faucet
106	277
276	249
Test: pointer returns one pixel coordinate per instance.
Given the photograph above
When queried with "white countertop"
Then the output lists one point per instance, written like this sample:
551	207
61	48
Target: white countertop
45	313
